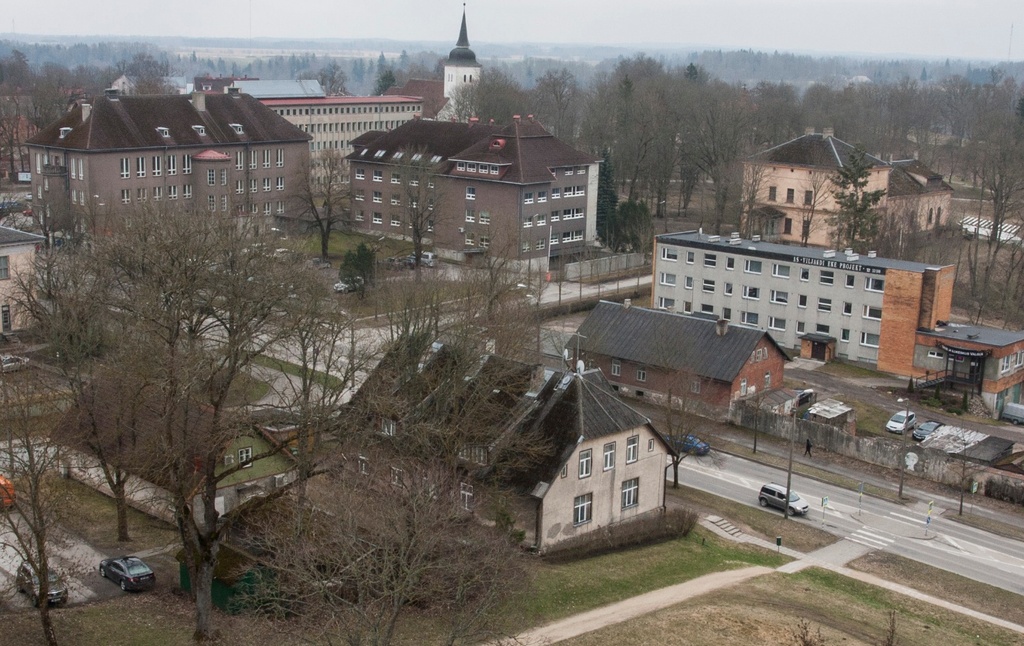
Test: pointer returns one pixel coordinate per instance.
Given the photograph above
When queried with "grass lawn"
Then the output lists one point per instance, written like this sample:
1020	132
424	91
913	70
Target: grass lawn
294	370
944	585
840	368
93	516
796	533
870	419
565	589
768	610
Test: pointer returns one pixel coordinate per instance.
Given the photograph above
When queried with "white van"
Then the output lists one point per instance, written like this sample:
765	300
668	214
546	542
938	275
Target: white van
1013	412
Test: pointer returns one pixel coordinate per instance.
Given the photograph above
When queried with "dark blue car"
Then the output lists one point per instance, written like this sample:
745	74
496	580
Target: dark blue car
692	445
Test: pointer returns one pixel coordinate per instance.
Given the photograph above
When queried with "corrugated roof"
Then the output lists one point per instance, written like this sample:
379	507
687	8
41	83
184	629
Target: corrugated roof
668	340
282	89
126	122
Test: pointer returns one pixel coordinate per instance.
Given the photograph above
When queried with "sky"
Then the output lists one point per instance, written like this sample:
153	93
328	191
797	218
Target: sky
933	29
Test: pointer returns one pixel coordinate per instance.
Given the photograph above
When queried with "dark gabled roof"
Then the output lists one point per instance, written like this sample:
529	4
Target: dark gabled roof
668	340
9	236
525	148
813	150
911	177
566	409
126	122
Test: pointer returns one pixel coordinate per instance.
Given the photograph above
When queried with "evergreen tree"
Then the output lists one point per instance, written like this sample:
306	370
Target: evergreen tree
607	197
855	223
385	80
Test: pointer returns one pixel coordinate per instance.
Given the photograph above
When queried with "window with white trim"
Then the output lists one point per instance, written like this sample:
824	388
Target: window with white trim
586	463
868	339
582	509
752	266
666	303
824	304
609	456
708	286
874	313
874	284
630	493
750	318
245	457
670	254
616	367
710	260
688	282
641	374
780	271
751	293
668	279
776	323
470	193
632	449
781	298
827	277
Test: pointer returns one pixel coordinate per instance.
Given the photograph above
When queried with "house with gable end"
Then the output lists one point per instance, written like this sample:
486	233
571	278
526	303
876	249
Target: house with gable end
650	353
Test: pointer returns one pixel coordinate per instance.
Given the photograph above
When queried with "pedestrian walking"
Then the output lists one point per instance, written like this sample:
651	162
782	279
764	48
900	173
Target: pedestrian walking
807	451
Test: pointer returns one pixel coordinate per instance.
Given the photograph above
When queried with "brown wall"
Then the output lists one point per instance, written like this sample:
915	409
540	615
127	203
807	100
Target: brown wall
900	304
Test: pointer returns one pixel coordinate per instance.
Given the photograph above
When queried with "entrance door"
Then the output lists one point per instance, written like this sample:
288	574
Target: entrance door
818	350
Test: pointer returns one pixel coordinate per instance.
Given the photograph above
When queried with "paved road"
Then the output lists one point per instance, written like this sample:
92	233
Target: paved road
872	523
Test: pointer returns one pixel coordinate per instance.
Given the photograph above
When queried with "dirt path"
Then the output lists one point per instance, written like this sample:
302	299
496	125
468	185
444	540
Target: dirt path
636	606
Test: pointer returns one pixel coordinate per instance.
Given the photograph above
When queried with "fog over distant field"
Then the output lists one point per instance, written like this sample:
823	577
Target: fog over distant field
990	30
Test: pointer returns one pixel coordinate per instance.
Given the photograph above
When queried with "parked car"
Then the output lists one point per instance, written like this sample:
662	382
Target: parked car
11	363
773	495
28	583
902	421
691	445
130	572
400	262
347	285
926	429
1013	412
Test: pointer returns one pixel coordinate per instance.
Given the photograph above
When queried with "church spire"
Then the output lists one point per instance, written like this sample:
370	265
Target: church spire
463	36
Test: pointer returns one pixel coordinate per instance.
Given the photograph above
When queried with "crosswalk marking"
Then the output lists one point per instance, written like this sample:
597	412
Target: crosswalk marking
869	539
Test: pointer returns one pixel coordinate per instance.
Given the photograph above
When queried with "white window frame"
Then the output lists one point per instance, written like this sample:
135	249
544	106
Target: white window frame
586	463
630	493
583	509
632	449
616	368
609	456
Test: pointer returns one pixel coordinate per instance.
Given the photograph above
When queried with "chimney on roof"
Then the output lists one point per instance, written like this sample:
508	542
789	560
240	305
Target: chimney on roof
530	117
86	111
627	303
872	254
809	130
721	327
199	101
827	132
515	117
473	121
416	117
490	122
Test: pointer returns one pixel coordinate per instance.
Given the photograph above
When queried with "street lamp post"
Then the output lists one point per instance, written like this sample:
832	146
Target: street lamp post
903	443
789	469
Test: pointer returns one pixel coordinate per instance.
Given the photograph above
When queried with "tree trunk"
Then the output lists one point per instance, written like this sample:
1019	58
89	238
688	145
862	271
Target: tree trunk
121	505
675	471
202	592
47	622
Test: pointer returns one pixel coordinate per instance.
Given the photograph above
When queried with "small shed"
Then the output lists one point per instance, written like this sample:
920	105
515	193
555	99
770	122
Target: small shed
834	413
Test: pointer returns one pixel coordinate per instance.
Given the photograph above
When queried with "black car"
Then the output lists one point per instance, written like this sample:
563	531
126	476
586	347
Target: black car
28	583
128	571
926	429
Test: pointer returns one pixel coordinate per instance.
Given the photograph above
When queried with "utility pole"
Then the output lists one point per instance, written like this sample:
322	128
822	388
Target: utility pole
903	444
789	469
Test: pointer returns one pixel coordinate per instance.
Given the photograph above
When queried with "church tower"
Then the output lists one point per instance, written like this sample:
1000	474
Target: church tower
461	67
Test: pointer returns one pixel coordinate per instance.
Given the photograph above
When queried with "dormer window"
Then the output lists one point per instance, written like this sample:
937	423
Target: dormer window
237	127
163	132
200	130
64	132
397	155
417	156
379	154
435	159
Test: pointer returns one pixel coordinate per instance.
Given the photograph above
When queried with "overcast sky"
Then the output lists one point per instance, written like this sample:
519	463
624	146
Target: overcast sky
977	29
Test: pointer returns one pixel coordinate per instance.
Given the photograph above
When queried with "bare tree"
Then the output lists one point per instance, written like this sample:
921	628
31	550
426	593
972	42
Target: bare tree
324	194
201	296
423	194
31	527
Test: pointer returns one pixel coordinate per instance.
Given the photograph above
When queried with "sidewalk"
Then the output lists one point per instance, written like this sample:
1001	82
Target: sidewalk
832	557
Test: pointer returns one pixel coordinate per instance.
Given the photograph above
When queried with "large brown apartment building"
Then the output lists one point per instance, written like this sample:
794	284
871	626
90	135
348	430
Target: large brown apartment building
224	153
515	191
